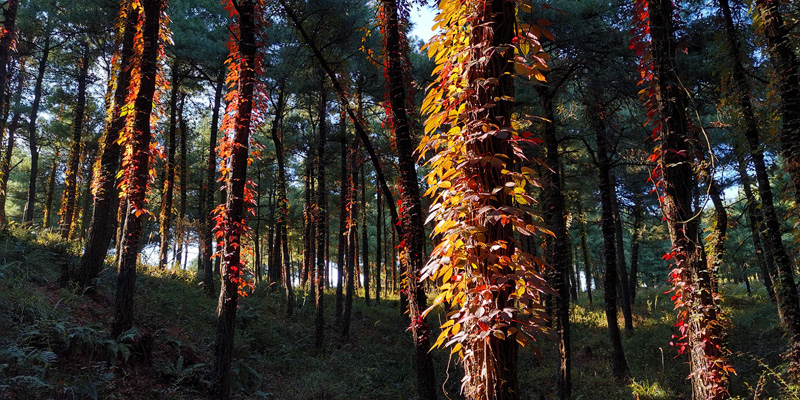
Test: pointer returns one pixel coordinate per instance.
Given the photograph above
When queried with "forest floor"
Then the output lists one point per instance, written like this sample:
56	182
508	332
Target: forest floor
54	342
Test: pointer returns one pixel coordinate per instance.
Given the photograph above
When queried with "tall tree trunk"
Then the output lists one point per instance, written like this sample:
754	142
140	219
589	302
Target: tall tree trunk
71	177
86	199
137	169
281	240
786	66
106	194
720	233
378	254
308	224
702	321
619	365
272	266
636	237
30	204
364	237
47	215
624	285
184	168
343	219
165	219
322	210
257	230
234	220
413	232
352	215
6	45
5	163
783	275
766	263
210	186
742	94
557	246
587	263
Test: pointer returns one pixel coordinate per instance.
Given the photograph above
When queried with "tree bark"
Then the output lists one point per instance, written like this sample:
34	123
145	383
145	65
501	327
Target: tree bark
624	285
137	169
755	219
587	263
412	233
308	224
783	274
182	227
322	210
6	45
786	73
5	164
352	215
619	365
70	196
343	220
30	204
281	240
705	331
234	220
741	91
106	196
165	219
364	238
210	186
636	237
378	254
556	246
47	215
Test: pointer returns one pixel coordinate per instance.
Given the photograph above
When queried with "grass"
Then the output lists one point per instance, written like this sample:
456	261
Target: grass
54	342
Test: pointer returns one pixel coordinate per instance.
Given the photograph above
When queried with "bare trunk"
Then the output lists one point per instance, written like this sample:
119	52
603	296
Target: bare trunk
30	204
635	239
5	164
783	274
587	263
165	219
70	196
210	186
378	255
322	210
364	238
343	220
624	285
619	365
352	215
786	72
557	247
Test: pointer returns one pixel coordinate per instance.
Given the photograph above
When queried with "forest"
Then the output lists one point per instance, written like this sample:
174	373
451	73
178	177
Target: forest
399	199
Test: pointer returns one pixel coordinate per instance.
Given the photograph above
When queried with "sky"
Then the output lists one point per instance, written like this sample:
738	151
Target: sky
422	18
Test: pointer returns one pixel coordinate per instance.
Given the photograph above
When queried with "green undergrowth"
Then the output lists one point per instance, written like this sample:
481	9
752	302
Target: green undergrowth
54	342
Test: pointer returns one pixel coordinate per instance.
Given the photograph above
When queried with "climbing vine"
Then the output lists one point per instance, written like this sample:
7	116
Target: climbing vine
230	224
128	137
700	324
479	182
